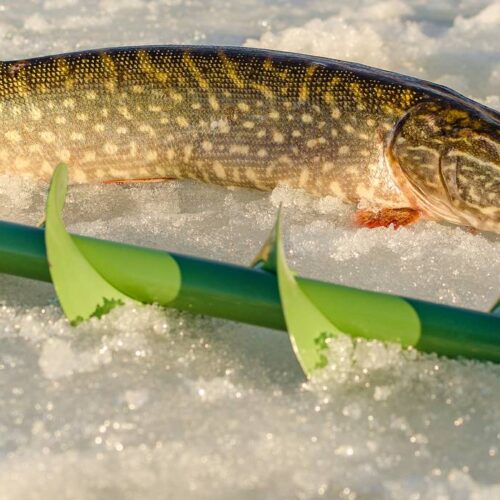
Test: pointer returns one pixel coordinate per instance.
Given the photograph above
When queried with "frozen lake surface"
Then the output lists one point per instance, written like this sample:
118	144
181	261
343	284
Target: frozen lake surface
148	403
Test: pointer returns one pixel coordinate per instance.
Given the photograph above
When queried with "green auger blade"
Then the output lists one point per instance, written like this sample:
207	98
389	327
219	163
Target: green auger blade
82	292
307	327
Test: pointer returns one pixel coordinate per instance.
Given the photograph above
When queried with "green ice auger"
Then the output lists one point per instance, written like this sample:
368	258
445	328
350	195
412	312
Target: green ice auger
91	276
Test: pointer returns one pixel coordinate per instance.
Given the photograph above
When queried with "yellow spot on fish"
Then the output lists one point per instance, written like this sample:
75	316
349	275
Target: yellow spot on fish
262	153
69	103
77	136
335	113
110	148
122	130
43	89
307	118
356	90
343	150
109	64
170	154
214	104
147	129
231	71
145	62
406	96
176	97
207	146
268	64
65	155
91	95
82	117
263	89
195	72
248	124
47	136
79	176
296	133
274	115
89	156
196	105
304	89
219	170
251	175
261	133
124	111
36	114
138	89
328	97
243	106
239	149
99	127
188	150
304	177
47	167
161	76
182	122
21	163
336	190
154	108
278	137
285	159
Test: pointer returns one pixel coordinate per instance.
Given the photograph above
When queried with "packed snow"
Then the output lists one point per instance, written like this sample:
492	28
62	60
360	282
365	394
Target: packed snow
153	403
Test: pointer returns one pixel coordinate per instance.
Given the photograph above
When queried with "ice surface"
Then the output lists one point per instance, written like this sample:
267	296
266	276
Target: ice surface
148	403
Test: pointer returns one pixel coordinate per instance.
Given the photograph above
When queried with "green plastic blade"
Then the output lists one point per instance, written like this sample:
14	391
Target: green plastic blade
146	275
82	292
361	313
307	327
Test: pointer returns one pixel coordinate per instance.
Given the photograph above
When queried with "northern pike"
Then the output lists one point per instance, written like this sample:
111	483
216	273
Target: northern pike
402	146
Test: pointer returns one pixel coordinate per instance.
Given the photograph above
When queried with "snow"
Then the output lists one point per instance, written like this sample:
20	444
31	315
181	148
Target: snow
158	404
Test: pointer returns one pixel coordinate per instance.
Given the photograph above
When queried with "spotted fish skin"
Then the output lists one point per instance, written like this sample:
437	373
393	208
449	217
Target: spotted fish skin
254	118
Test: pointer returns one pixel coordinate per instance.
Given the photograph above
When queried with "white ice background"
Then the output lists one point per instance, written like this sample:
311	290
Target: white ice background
148	403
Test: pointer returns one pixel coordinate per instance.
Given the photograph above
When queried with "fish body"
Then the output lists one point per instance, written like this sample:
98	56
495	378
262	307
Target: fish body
253	118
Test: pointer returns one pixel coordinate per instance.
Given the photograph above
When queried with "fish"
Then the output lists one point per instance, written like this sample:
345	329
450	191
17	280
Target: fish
399	147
